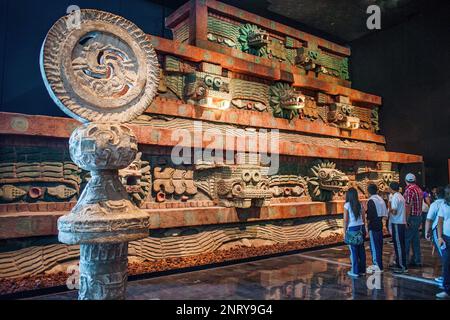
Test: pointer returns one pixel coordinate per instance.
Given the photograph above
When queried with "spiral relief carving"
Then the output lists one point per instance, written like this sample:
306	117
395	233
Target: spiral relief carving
104	71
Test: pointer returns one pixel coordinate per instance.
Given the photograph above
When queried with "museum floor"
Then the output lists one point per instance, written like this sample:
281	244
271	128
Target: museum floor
320	274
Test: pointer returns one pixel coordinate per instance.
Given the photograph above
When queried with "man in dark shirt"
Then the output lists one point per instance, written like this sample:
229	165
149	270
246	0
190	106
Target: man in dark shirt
376	210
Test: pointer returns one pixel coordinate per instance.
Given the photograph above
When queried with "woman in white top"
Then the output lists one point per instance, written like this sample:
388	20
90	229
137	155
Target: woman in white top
443	228
354	220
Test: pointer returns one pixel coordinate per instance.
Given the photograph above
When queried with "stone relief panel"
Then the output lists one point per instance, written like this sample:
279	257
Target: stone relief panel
30	174
211	86
153	178
381	175
240	186
252	39
249	93
289	186
173	182
169	243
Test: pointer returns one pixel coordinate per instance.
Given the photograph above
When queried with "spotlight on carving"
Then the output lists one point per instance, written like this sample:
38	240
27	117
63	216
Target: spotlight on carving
215	103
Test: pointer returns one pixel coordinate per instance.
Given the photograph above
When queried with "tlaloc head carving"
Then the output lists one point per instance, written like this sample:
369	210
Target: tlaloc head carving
207	90
381	176
341	114
240	186
285	100
327	180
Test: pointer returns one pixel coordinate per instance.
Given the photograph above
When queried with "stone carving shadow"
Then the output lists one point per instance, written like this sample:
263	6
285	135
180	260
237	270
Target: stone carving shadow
248	213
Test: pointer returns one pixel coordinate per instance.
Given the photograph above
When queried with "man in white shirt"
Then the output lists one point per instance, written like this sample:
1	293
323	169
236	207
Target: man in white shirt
431	232
397	219
443	228
376	212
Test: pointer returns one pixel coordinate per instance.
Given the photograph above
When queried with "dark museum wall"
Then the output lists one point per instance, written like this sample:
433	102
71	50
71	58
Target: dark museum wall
409	66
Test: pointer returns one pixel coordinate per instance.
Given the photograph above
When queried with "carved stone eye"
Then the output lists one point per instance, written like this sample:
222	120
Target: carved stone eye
218	83
339	116
256	176
209	81
200	91
313	54
246	176
237	189
264	186
322	174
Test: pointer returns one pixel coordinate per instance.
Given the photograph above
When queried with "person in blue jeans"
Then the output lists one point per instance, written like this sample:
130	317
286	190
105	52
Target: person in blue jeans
353	221
431	232
413	199
397	219
443	232
376	211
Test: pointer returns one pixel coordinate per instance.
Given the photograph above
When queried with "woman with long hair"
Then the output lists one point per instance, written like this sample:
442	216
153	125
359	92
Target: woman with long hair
354	232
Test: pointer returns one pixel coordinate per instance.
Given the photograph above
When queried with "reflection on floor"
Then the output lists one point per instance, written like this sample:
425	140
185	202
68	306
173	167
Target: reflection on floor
320	274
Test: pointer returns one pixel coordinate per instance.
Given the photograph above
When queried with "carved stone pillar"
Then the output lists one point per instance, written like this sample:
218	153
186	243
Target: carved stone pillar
102	72
103	271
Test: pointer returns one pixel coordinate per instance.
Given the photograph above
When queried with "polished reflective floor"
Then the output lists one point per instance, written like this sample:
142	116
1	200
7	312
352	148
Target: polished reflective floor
316	275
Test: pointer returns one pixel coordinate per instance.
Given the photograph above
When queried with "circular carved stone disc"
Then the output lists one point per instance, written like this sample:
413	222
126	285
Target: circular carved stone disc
103	69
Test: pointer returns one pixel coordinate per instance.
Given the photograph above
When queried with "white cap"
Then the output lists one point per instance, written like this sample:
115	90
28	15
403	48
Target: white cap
410	177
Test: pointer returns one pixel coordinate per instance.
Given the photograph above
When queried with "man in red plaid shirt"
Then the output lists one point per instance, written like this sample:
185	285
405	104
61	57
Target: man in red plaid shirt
413	197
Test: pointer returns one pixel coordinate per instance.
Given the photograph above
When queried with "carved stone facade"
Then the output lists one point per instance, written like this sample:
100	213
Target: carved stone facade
35	175
382	175
169	243
254	40
237	73
173	182
210	86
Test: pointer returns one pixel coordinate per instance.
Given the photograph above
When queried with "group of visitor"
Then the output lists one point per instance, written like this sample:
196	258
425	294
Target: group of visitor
403	215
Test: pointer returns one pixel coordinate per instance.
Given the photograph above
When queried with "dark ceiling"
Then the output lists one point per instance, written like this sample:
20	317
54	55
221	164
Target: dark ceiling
346	19
341	21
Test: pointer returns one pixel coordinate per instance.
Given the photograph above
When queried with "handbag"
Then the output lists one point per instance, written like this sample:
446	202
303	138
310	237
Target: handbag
354	238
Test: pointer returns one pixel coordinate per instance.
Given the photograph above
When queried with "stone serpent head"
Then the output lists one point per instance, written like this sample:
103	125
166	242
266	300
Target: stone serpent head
253	40
285	100
327	180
